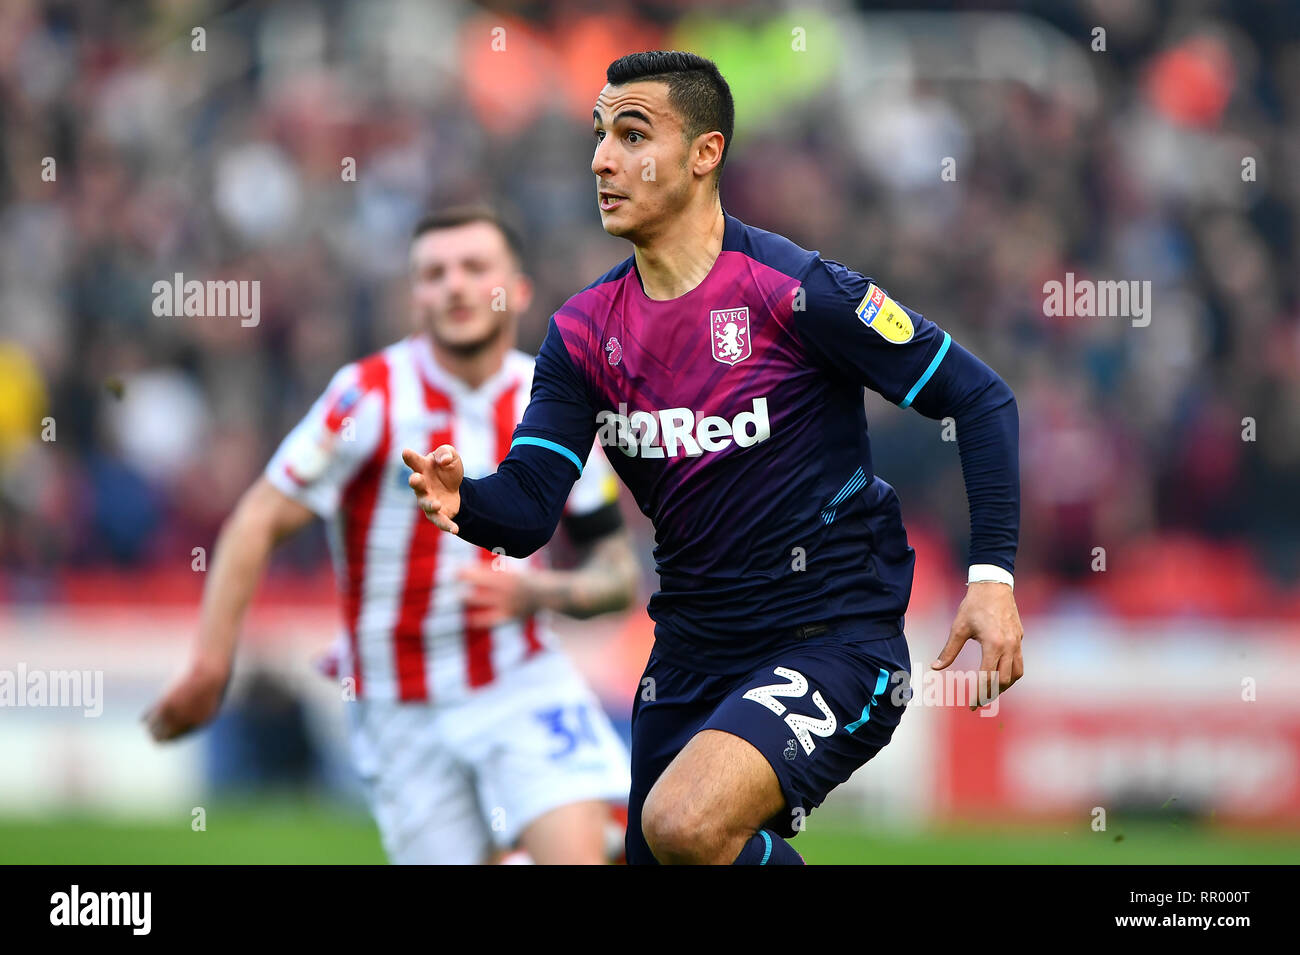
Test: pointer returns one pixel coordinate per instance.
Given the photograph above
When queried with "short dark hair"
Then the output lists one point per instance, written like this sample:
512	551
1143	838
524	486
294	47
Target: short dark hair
452	217
696	89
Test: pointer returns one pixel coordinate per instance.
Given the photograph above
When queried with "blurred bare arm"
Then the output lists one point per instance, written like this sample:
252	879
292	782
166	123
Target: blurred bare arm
263	517
606	580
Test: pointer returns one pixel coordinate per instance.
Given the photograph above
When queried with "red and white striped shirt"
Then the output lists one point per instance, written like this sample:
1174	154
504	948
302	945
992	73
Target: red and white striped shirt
404	634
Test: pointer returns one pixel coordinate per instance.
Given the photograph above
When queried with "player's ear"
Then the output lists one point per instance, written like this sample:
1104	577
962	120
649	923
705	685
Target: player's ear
707	152
522	295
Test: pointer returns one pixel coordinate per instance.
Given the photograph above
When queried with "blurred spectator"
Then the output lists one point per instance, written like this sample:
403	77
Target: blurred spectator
128	156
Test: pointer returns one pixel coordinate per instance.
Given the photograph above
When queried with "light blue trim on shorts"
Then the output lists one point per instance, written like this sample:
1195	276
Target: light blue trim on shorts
881	682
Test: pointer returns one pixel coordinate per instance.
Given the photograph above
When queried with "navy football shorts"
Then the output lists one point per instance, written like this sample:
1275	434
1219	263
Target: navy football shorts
817	710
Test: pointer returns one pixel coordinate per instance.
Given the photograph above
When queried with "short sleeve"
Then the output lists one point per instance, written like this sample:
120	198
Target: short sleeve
330	444
852	327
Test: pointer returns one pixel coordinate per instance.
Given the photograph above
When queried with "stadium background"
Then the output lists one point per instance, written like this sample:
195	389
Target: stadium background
1162	689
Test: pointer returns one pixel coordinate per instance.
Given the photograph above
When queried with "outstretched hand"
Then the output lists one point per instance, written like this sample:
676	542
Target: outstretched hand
436	481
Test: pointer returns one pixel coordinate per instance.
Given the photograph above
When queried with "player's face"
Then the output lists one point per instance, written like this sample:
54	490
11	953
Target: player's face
641	168
465	285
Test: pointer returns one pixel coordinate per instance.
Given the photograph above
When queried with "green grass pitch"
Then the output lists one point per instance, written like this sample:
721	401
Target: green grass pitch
270	834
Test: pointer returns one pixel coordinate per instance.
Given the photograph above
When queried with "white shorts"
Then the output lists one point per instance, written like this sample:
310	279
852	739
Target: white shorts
449	782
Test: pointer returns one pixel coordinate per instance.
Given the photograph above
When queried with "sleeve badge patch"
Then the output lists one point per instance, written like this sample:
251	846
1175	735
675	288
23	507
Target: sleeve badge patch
308	455
880	312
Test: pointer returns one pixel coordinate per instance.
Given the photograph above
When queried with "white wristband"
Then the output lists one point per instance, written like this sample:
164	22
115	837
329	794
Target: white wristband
979	572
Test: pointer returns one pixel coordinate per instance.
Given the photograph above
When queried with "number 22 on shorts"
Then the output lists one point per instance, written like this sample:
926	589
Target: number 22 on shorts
803	727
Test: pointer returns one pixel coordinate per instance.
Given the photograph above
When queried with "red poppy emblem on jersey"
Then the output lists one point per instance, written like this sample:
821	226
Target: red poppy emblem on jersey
729	331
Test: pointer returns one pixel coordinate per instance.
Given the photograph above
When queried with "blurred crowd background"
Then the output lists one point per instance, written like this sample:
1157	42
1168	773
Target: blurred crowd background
1163	149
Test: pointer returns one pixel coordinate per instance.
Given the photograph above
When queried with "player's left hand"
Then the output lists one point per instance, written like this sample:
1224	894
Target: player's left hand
988	614
496	596
191	701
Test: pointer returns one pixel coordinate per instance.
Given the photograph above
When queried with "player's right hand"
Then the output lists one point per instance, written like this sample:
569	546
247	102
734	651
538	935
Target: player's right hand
988	615
189	702
436	483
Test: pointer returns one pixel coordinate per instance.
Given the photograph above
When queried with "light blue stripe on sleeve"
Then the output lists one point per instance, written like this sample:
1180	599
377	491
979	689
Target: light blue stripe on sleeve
552	446
934	364
767	853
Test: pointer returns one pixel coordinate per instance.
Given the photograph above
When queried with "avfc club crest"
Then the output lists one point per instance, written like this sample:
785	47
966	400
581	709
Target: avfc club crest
613	351
729	331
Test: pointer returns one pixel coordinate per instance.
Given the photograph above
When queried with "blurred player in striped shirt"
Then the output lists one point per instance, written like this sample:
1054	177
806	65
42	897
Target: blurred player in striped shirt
472	732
